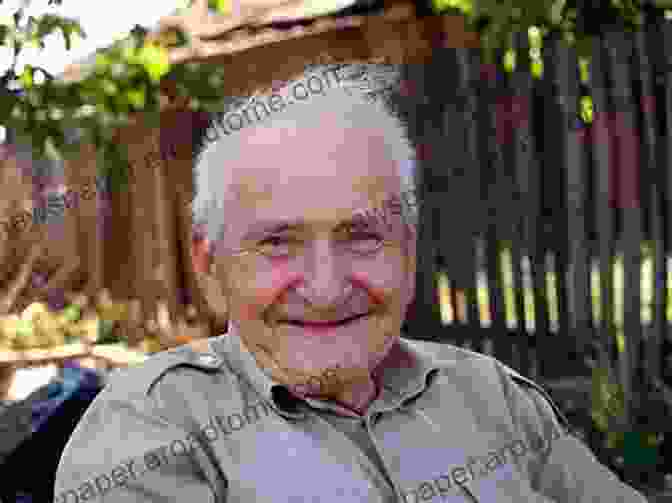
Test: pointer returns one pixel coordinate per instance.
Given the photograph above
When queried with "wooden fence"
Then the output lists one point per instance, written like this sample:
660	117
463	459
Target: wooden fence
505	164
541	233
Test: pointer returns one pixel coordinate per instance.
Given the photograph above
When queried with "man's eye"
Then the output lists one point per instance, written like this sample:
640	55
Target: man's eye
275	241
276	245
365	236
365	242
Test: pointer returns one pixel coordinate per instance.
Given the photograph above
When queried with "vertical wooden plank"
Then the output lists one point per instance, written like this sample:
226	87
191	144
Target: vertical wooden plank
166	263
508	119
425	316
604	160
513	261
578	275
441	119
498	218
525	176
552	344
666	29
620	53
451	176
81	176
121	276
16	241
211	309
543	93
475	106
645	42
468	75
445	185
129	233
664	61
486	87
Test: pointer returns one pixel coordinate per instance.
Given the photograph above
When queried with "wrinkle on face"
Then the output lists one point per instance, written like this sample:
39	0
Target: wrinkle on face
322	176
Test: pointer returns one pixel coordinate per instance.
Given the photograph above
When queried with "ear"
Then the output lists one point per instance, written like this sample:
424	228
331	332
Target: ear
209	283
201	254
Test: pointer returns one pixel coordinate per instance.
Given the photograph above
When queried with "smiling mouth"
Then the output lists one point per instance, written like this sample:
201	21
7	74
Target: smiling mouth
325	324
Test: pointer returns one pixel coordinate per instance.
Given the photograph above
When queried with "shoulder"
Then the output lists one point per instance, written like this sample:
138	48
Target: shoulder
141	411
139	382
167	387
482	373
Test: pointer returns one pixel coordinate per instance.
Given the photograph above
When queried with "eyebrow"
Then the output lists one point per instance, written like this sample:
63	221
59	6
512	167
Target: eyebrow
263	227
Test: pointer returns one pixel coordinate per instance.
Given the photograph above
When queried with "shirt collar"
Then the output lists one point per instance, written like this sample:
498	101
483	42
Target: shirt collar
402	375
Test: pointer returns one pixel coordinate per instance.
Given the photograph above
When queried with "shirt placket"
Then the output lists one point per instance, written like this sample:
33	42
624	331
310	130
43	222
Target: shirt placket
381	480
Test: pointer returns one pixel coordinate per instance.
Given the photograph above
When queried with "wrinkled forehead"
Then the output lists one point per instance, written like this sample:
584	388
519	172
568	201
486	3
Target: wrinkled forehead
293	165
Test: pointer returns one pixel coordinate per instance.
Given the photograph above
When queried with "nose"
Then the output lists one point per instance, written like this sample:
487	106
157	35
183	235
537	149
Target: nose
324	284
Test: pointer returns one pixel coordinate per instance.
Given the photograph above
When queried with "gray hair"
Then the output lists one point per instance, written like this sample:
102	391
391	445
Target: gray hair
375	85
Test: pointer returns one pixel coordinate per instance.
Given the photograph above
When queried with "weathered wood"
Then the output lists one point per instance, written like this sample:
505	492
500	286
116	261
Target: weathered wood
425	322
667	183
602	144
578	275
469	73
645	43
619	50
524	163
497	220
512	103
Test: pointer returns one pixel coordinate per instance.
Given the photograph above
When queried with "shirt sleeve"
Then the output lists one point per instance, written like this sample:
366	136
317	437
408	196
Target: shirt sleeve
124	452
565	470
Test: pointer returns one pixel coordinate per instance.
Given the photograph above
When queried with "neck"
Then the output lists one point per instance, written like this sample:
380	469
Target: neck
358	397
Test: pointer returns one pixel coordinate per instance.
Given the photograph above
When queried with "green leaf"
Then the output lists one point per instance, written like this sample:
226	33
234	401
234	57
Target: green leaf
52	151
620	343
103	61
110	87
556	11
223	6
615	439
584	70
465	6
510	61
155	60
600	419
26	77
106	333
537	68
587	109
136	97
71	313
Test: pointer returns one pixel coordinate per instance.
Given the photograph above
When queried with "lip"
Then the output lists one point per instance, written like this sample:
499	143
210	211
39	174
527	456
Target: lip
321	326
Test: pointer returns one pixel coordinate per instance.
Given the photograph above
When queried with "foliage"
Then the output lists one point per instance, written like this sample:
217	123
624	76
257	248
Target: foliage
576	21
126	77
45	111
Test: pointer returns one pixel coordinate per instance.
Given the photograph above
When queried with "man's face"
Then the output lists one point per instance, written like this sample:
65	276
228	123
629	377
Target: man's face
330	289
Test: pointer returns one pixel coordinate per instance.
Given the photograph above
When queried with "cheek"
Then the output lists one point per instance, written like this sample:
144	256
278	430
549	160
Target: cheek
257	293
385	292
382	279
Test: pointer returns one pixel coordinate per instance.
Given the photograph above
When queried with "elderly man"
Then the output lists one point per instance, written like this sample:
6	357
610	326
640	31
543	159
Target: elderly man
312	396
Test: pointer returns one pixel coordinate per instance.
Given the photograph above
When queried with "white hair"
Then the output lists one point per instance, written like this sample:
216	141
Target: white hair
353	92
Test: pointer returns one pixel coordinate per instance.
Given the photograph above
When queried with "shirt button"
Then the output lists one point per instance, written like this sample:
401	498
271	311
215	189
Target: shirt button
210	360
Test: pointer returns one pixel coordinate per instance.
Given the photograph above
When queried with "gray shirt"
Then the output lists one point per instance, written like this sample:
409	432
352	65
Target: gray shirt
449	425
